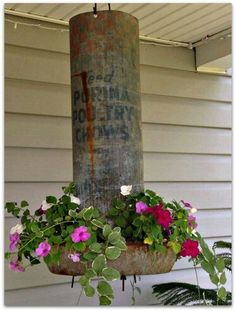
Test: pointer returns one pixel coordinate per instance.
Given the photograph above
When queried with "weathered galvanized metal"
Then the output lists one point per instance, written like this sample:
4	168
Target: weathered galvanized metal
136	260
106	109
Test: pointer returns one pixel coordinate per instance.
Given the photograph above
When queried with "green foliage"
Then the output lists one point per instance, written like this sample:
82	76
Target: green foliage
176	293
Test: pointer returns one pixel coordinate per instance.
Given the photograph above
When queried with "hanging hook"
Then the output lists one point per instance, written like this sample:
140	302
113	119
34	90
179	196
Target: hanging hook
95	10
123	278
72	281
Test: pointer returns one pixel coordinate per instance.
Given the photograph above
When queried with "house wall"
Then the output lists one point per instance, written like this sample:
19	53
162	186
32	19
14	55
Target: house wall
186	143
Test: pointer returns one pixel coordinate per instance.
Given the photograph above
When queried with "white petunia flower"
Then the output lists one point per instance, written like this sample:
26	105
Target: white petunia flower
74	199
193	210
125	190
17	229
45	206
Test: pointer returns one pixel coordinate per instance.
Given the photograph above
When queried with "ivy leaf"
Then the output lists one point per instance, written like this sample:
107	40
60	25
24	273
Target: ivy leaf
95	247
99	263
90	273
104	288
208	267
89	291
121	245
97	223
112	252
214	279
222	293
88	213
110	274
106	230
83	280
113	237
223	278
220	264
104	301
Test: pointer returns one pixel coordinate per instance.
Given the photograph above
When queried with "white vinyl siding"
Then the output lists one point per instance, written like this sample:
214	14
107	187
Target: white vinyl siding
186	142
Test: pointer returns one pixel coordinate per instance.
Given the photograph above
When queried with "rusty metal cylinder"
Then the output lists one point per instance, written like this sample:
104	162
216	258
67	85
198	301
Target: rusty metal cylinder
106	106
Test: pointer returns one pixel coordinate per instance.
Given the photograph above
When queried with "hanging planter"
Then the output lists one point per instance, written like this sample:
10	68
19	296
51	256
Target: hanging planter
81	241
136	260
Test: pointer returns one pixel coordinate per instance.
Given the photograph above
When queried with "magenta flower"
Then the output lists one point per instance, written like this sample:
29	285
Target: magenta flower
186	204
74	257
164	218
14	239
190	248
80	234
141	207
43	249
16	265
192	222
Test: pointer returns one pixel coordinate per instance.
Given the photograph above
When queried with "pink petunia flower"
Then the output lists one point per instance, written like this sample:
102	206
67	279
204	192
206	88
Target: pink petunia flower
186	204
74	257
192	221
16	265
43	249
80	234
190	248
141	207
14	239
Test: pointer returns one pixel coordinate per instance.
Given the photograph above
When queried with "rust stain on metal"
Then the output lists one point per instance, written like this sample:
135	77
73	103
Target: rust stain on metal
89	115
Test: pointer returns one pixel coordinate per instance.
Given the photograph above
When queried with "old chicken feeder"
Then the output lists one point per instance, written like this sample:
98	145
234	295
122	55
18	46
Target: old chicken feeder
106	126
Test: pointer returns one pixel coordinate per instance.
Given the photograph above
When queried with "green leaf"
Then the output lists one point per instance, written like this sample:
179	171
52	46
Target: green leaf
90	273
104	301
95	247
223	278
121	245
83	281
90	255
57	239
51	199
214	279
34	227
88	213
150	193
113	237
117	229
104	288
120	221
220	264
110	274
208	267
79	246
113	212
89	291
222	294
99	263
106	230
72	213
112	252
97	223
176	247
39	234
7	255
24	204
